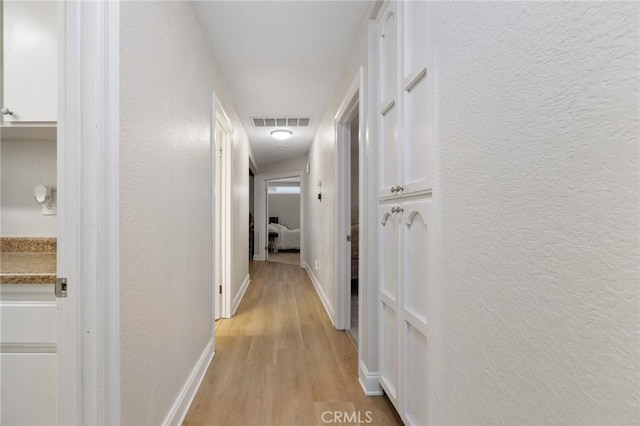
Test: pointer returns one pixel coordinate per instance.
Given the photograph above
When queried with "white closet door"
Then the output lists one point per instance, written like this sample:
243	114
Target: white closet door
389	344
415	308
417	95
388	99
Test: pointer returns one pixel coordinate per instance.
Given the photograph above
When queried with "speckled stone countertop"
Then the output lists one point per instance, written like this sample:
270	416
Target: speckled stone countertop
27	260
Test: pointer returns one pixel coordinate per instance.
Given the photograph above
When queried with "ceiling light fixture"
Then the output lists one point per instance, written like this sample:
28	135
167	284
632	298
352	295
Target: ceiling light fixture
282	134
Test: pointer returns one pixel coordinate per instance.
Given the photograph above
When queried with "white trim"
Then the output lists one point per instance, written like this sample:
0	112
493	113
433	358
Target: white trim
238	297
370	382
221	117
181	405
323	297
352	105
88	213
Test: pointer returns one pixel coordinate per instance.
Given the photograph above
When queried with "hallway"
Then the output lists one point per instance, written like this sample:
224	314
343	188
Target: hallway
279	361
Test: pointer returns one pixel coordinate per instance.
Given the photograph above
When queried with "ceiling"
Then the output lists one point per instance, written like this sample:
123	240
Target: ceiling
280	59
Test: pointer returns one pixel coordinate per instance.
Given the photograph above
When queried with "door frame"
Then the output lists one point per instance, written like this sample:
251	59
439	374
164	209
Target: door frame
261	240
223	221
352	105
88	212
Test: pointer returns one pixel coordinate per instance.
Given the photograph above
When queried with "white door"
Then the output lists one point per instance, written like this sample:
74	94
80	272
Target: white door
389	344
388	100
415	305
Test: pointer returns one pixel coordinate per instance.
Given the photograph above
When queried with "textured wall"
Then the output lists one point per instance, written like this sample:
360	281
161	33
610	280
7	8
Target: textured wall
535	315
287	208
167	79
26	164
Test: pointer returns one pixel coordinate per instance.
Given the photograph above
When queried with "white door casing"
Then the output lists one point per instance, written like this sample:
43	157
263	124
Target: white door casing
351	107
221	132
88	213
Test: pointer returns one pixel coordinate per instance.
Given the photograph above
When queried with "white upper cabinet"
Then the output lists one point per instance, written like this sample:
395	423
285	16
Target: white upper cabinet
405	96
30	61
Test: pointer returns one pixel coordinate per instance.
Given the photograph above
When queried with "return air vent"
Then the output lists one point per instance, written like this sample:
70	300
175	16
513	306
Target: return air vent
281	122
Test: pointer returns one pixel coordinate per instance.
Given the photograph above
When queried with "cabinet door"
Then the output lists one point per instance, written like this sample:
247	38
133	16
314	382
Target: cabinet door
388	99
415	302
30	78
389	349
417	95
28	359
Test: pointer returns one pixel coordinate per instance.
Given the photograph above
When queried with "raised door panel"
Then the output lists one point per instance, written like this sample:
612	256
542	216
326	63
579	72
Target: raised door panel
27	384
389	344
415	310
417	97
30	81
389	150
388	99
388	54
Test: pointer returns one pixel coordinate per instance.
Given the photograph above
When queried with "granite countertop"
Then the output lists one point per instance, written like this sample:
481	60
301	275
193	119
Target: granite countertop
27	260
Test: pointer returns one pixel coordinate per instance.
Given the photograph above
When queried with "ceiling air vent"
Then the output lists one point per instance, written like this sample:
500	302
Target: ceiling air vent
281	121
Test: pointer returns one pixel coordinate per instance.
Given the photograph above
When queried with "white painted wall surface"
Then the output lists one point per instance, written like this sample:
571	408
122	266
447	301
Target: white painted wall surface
287	208
25	164
320	237
294	165
536	230
167	79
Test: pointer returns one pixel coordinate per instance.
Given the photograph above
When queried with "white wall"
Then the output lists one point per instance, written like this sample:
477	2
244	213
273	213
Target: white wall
167	79
536	227
25	164
293	165
287	208
320	240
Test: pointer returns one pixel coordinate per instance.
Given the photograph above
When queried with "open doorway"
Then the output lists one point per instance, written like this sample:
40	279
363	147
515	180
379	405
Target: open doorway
348	213
221	211
283	221
354	257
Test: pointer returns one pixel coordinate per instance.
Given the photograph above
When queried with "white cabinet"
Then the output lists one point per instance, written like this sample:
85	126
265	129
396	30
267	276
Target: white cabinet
28	354
405	95
30	61
405	135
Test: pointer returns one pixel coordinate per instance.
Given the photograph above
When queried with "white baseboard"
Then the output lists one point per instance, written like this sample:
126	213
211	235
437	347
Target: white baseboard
185	398
259	257
323	296
238	298
370	382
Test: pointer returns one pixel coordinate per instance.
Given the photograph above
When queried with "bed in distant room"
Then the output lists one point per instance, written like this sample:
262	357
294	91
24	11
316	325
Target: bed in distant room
287	239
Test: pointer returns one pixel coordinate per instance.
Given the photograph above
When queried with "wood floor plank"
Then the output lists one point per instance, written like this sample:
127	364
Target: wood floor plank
280	361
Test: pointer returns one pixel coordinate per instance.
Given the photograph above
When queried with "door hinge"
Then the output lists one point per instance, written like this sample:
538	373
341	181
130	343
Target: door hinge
220	289
348	237
61	287
220	152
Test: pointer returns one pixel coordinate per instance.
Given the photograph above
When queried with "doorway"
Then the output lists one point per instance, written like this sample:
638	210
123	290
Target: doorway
283	220
348	213
221	212
354	207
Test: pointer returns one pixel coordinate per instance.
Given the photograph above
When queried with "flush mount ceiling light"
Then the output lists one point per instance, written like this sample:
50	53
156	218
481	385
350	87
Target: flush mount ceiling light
282	134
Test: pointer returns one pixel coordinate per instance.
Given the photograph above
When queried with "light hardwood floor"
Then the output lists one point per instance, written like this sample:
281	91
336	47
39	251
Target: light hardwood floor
279	361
